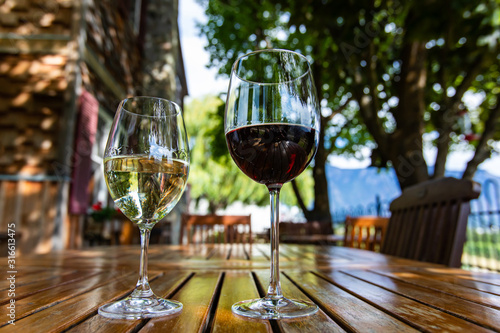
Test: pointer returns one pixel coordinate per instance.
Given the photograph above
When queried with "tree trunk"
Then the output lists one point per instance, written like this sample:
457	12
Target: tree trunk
408	160
321	211
406	142
442	146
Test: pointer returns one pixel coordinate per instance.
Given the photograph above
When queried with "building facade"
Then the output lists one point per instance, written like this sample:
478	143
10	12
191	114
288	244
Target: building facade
64	67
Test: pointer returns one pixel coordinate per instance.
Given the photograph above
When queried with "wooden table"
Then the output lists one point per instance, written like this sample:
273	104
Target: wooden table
356	290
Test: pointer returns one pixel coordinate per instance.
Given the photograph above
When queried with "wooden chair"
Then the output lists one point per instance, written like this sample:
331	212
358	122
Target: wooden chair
217	229
429	221
365	232
238	228
315	232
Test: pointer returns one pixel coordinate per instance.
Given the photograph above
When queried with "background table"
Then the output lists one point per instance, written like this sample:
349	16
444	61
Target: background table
356	290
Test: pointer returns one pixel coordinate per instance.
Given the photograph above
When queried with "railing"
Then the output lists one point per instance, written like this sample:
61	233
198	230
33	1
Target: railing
29	206
482	246
377	208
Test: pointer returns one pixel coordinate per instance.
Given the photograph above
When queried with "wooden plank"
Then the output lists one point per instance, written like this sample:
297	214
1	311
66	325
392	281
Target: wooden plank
199	251
222	252
326	255
46	230
9	213
487	282
34	305
77	307
239	251
49	205
350	311
259	252
3	221
291	253
18	201
359	257
416	314
41	285
166	253
30	207
318	322
232	292
197	297
316	255
27	275
451	288
164	285
479	314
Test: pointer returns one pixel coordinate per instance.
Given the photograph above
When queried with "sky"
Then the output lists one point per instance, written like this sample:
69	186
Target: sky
203	81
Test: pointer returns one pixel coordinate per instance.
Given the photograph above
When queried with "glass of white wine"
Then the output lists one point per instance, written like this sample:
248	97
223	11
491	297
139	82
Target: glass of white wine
146	166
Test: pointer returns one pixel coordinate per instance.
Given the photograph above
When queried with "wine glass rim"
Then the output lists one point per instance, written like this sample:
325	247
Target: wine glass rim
303	57
177	108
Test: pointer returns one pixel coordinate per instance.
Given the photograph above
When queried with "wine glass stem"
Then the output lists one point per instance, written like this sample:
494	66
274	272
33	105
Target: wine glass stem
274	290
142	289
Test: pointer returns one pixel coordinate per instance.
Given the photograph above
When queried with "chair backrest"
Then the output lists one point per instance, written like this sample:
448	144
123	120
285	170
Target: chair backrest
217	228
365	232
429	221
238	228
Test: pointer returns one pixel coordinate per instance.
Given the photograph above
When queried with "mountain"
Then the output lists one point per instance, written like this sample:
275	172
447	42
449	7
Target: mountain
355	190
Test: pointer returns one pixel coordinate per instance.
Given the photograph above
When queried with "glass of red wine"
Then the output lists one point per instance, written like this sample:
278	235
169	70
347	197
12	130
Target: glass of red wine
272	131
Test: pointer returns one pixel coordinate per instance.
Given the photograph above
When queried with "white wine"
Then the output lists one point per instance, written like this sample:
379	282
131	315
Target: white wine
143	187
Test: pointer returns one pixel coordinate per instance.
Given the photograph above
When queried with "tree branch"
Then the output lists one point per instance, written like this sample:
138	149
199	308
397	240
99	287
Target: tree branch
338	135
372	77
338	110
470	76
449	110
300	201
368	113
482	150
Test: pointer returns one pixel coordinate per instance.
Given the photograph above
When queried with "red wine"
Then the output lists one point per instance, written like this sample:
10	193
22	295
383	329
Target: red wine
272	153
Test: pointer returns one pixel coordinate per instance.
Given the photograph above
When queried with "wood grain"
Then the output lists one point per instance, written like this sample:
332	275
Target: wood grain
164	286
233	291
356	290
407	310
351	312
197	297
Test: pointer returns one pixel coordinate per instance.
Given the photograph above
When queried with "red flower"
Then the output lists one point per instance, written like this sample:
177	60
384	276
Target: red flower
471	137
97	206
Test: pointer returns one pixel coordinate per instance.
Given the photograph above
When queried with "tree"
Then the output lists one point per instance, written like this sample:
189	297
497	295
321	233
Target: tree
213	175
391	75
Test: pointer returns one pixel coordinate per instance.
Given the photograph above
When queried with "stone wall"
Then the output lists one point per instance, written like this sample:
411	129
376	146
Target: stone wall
33	57
31	104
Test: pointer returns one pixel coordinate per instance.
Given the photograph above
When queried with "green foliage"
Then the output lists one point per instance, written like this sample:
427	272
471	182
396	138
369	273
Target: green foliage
482	243
358	46
213	174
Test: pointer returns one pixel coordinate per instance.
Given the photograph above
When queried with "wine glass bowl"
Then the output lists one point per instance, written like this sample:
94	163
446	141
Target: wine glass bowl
290	146
272	127
146	166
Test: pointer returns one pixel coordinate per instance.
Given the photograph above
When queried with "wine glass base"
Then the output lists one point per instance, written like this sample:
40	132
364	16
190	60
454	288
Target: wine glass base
267	308
140	308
